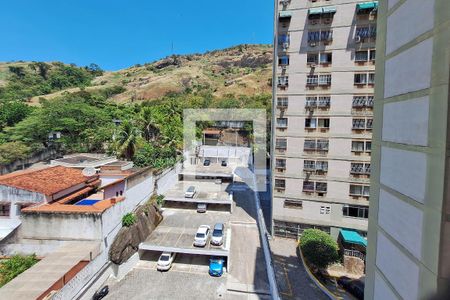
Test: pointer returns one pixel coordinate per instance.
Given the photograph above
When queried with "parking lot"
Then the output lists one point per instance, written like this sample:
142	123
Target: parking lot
177	231
206	192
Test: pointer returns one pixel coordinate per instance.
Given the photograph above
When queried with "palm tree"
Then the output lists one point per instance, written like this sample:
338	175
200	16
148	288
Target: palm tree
127	140
148	124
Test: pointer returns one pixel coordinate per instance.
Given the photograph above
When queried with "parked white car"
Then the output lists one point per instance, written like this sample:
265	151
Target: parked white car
201	237
165	261
190	192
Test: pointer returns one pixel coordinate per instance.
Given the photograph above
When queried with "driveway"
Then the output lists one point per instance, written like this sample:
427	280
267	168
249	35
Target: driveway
292	279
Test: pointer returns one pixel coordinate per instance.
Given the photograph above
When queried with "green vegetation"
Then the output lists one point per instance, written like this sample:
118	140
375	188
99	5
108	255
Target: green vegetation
149	133
319	248
160	200
128	219
40	78
14	266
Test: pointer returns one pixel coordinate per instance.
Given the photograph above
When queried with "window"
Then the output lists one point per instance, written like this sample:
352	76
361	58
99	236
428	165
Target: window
324	102
321	187
312	58
359	124
372	54
359	101
326	35
325	79
280	163
309	165
283	39
282	102
280	184
361	55
322	144
4	209
283	81
323	123
357	146
312	79
293	204
371	78
283	60
326	58
322	166
355	211
282	122
325	210
311	123
311	102
360	168
281	144
309	145
359	190
360	78
313	36
368	146
369	102
369	124
308	186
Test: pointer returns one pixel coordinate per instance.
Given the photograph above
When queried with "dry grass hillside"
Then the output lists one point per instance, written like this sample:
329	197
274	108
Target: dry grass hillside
240	70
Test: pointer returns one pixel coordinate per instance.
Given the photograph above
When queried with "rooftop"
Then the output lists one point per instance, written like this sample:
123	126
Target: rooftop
84	160
48	181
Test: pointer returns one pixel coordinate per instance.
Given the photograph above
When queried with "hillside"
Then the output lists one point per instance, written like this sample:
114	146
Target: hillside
240	70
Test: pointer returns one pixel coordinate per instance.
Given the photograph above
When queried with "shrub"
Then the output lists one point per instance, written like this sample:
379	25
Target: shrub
319	248
11	268
160	200
128	219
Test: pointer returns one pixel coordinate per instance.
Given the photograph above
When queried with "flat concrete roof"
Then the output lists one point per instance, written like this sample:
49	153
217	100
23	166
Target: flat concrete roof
213	170
177	231
39	278
207	192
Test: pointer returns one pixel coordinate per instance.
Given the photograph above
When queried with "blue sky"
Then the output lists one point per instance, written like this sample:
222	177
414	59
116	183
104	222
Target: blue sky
117	34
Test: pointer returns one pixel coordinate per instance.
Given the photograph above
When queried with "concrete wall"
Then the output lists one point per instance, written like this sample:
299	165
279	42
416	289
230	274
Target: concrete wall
57	226
22	164
408	255
167	179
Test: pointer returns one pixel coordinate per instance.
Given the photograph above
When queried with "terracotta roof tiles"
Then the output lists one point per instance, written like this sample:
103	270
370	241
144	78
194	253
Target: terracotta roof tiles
47	181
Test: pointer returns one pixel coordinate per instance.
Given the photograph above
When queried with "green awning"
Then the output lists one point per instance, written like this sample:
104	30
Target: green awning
285	14
353	237
329	9
367	5
315	11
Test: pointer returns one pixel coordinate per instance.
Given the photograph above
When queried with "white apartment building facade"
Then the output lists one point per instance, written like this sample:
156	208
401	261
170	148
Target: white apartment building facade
322	114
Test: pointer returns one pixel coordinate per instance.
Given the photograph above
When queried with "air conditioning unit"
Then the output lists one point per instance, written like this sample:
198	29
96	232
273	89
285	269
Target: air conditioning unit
285	2
313	65
285	46
284	68
312	44
358	39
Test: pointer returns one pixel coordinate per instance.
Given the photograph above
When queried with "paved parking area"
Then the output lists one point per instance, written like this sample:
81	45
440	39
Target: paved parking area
178	229
146	283
207	192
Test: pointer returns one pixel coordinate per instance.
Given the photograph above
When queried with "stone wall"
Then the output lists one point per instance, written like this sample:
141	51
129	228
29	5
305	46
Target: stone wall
128	239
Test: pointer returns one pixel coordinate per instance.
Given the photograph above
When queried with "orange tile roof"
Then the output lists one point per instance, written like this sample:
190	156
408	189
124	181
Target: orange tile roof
47	181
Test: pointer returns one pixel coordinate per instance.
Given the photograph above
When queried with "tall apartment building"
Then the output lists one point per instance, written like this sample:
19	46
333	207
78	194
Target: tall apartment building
409	226
324	74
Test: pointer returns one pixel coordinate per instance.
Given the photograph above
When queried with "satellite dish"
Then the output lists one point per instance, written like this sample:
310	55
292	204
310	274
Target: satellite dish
89	171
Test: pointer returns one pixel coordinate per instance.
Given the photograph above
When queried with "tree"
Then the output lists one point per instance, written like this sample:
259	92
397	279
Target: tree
12	151
12	267
147	123
17	70
319	248
127	140
12	112
94	69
